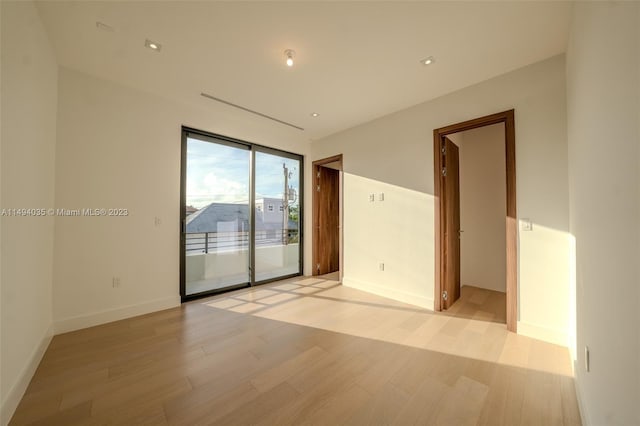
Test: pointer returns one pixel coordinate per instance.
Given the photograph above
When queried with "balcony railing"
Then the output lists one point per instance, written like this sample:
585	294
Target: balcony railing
213	242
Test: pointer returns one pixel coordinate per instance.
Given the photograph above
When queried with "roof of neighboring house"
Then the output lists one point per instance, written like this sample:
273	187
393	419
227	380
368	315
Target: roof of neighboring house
206	219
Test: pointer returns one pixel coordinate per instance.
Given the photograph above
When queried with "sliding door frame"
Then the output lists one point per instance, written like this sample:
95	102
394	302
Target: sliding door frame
253	148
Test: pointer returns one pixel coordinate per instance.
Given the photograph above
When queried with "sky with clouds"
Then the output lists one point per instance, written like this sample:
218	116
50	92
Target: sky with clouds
220	173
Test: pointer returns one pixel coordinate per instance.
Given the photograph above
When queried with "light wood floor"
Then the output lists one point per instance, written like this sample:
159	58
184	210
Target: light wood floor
304	351
480	304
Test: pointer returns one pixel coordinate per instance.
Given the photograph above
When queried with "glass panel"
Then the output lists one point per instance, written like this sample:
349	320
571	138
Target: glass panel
277	209
217	216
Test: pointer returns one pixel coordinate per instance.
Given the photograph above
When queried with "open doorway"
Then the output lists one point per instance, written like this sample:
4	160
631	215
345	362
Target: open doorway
327	217
474	188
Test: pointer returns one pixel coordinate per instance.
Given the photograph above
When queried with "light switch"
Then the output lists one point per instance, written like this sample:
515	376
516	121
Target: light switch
372	197
527	225
381	196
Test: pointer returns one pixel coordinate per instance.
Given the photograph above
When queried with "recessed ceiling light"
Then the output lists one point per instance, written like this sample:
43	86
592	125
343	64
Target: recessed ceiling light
289	54
152	45
428	61
314	114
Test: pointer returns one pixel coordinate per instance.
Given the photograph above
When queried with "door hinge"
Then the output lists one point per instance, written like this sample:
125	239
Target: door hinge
444	171
445	296
318	188
318	174
443	150
318	267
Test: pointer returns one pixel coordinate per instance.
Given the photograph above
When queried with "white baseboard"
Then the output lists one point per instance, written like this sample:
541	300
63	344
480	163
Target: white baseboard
551	335
17	390
390	293
116	314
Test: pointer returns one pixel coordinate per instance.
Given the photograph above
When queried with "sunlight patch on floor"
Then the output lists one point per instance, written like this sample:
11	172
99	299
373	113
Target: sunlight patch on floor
465	330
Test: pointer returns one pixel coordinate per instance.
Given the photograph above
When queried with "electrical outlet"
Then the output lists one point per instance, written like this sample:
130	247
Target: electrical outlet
157	221
382	266
115	282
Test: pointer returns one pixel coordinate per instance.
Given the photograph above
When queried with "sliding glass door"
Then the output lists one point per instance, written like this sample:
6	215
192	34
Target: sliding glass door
216	223
241	214
277	222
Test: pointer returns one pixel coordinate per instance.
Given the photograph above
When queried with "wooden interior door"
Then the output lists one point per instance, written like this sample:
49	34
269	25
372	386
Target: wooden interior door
326	220
508	118
451	223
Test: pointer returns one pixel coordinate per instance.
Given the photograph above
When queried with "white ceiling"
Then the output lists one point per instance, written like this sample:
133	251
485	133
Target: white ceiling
355	61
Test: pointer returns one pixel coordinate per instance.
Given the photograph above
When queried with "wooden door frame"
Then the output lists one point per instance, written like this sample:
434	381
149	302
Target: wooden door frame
314	216
506	117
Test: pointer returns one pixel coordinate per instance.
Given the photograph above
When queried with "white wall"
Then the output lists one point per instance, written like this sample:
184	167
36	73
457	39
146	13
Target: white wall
604	137
483	207
29	102
395	154
119	147
397	231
